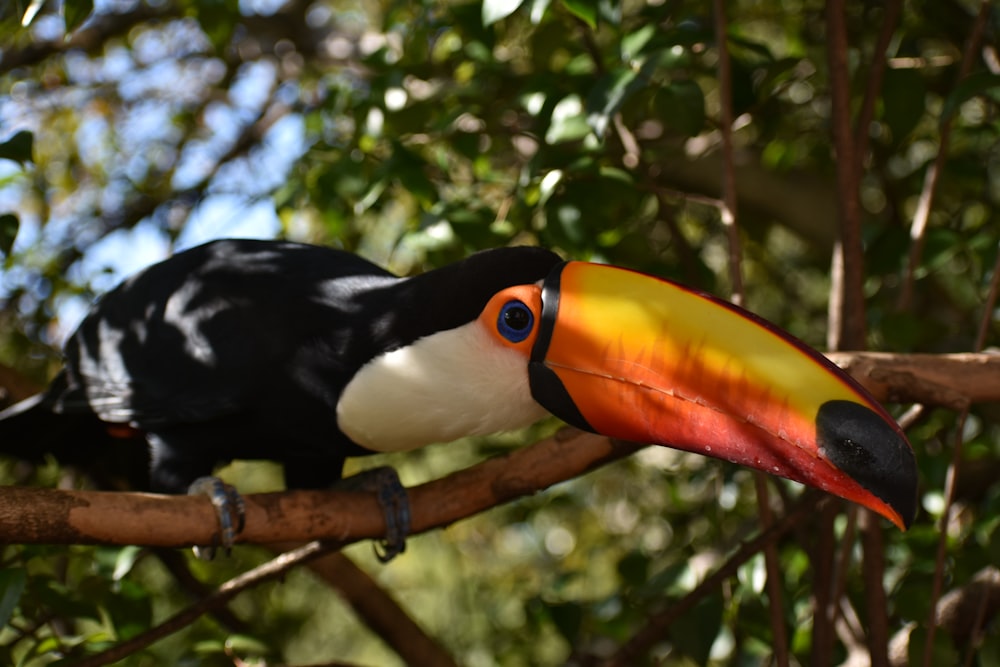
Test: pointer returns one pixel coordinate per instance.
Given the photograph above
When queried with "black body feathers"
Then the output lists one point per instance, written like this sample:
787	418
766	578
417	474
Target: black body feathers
241	349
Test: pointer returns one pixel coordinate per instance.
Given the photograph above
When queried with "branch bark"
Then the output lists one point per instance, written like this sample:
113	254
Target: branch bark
847	301
64	517
96	517
946	380
46	516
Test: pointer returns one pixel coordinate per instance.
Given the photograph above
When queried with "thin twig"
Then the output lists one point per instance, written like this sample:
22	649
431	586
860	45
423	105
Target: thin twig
824	604
177	565
847	322
862	129
776	604
918	230
656	625
850	334
956	458
728	210
223	594
875	598
843	563
975	635
779	635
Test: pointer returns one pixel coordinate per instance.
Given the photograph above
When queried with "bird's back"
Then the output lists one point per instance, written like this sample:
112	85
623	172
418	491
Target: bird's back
229	347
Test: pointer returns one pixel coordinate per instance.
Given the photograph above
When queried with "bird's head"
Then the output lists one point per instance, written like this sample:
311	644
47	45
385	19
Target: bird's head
635	357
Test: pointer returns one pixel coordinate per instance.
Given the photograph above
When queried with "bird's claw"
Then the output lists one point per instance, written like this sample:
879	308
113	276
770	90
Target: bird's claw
391	493
229	508
396	508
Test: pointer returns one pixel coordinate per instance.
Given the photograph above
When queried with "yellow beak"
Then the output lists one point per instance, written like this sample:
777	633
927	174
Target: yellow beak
638	358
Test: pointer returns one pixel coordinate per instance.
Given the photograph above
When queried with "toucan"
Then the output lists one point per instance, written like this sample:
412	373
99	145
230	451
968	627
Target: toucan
307	355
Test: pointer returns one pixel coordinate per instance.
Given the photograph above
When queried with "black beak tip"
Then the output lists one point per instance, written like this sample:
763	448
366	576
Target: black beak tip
862	444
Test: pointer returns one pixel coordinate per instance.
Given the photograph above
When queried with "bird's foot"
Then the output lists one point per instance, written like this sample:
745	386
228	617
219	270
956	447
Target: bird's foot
229	508
384	482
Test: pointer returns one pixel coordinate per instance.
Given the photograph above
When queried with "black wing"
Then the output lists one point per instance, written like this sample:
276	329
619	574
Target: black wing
223	328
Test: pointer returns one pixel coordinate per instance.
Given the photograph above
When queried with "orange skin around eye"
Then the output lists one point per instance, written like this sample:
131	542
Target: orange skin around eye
530	296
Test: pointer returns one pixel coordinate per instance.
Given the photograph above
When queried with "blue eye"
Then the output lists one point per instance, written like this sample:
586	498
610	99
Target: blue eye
515	321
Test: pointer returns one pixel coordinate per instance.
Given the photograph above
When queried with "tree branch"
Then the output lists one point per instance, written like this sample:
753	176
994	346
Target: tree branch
946	380
47	516
847	302
82	517
64	517
340	518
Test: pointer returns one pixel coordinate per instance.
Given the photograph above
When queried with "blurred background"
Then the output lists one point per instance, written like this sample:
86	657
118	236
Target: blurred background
414	133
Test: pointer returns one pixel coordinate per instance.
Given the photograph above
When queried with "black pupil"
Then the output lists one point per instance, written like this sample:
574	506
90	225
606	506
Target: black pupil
517	318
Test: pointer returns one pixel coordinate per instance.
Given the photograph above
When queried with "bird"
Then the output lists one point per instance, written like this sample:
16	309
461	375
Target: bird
308	355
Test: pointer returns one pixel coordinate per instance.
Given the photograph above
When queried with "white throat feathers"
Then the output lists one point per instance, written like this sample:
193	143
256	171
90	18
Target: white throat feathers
440	388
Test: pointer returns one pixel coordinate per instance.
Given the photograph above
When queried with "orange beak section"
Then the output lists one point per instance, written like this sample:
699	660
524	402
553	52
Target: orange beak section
639	358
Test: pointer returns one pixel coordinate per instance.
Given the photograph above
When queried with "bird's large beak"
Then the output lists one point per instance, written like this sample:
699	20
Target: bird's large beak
638	358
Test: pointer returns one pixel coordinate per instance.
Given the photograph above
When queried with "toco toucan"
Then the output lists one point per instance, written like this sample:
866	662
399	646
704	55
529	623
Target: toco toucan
305	355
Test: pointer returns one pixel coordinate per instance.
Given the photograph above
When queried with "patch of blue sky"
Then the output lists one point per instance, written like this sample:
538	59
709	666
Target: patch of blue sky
229	216
266	167
261	7
120	254
106	263
125	252
253	85
175	39
159	75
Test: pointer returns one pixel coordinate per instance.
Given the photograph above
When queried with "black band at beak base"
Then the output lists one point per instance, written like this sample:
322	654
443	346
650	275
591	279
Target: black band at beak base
546	387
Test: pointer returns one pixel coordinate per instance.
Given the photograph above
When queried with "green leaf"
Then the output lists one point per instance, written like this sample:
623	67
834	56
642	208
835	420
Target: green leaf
124	561
695	632
568	122
538	9
607	96
12	582
246	644
583	10
610	11
942	650
682	106
980	83
76	12
31	12
903	99
18	148
633	568
217	18
8	232
989	651
633	43
548	185
758	48
495	10
568	618
613	90
993	547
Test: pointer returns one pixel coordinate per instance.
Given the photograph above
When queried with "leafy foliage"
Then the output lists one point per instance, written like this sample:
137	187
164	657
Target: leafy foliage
417	132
